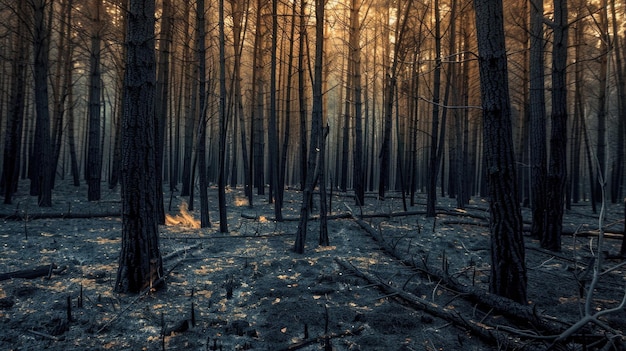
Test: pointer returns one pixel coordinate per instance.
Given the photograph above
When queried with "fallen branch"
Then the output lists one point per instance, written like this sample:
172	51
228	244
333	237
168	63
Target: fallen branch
44	335
32	273
507	307
485	332
53	215
319	339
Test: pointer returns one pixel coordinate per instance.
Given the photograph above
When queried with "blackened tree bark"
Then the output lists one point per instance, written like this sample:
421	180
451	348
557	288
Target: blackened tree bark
62	84
433	172
221	178
390	90
41	179
257	148
140	262
537	112
162	93
238	8
272	132
93	166
15	121
202	102
358	179
190	89
557	171
617	178
508	267
302	95
316	128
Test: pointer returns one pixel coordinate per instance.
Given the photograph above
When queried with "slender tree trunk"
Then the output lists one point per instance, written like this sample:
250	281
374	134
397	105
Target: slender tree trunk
302	96
316	121
431	194
162	93
385	154
140	262
221	179
203	106
508	268
15	121
557	171
238	8
280	189
538	156
190	76
93	166
61	83
355	47
41	180
617	178
272	134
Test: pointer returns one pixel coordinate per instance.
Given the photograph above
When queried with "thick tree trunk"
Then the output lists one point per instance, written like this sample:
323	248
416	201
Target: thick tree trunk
508	267
140	262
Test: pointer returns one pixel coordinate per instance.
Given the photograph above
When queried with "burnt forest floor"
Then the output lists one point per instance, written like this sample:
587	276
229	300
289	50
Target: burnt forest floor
285	301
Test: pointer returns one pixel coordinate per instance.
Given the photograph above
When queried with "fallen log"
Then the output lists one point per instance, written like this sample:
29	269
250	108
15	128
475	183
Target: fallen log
484	331
55	215
32	273
506	307
304	343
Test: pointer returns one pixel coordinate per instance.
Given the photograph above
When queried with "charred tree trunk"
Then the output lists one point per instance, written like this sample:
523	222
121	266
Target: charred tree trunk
15	121
538	156
93	166
508	267
202	104
221	178
316	127
41	180
140	262
557	171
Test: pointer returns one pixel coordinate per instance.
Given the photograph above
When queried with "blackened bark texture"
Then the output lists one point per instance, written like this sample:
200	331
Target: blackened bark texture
433	171
238	7
302	95
15	121
316	127
508	268
272	126
140	262
162	96
358	180
557	171
41	179
257	148
617	178
221	178
537	114
203	104
61	83
189	87
93	166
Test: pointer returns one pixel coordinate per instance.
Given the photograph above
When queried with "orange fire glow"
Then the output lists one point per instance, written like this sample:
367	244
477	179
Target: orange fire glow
184	219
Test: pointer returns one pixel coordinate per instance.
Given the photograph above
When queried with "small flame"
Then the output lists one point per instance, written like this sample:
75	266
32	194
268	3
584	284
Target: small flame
184	219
